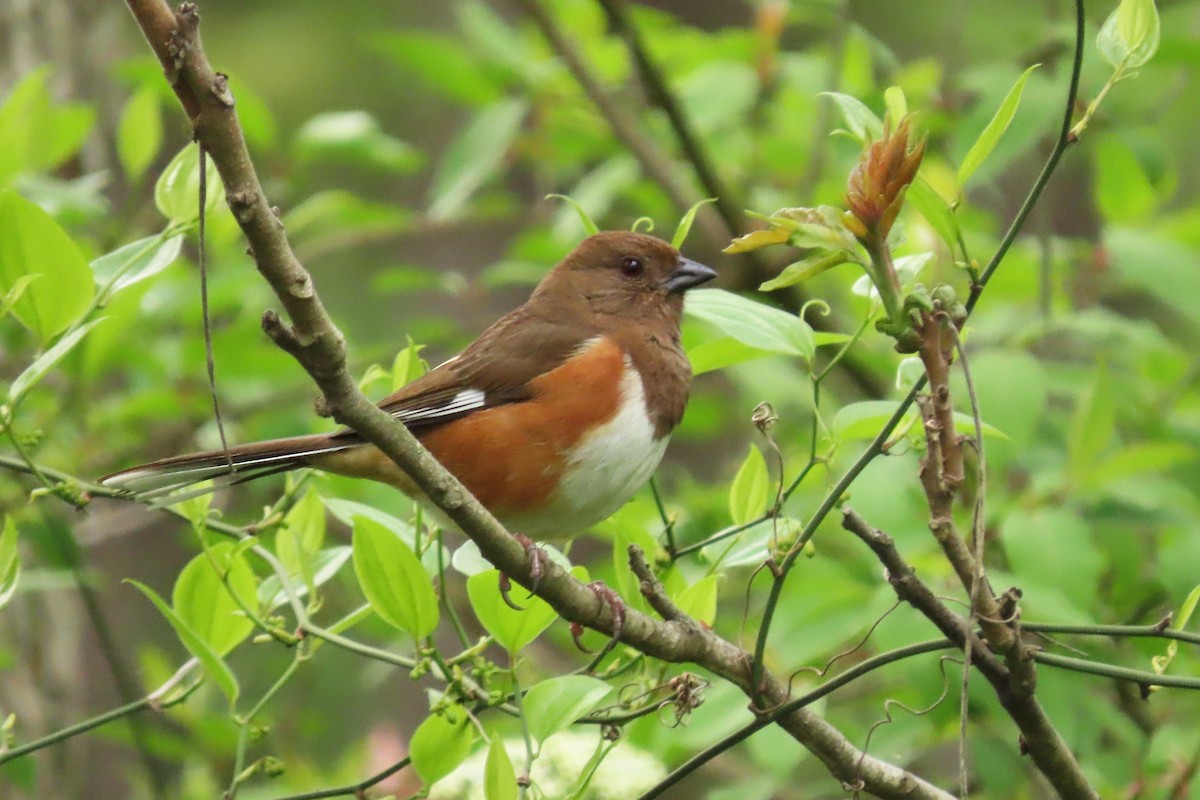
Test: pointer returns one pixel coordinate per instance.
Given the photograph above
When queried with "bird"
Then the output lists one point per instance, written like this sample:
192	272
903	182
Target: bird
553	418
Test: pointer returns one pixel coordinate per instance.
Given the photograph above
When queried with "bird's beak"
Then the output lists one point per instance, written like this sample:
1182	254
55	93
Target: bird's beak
688	274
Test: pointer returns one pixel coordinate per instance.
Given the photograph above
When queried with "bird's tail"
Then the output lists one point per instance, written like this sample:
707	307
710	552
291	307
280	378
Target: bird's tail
170	480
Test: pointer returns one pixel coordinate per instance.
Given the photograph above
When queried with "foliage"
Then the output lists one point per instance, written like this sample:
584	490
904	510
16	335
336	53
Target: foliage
319	629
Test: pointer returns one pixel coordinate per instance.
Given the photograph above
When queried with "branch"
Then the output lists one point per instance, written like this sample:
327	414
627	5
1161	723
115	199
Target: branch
1041	740
319	347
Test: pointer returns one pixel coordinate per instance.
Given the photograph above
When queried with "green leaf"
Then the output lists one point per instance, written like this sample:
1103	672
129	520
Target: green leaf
589	226
1092	425
139	132
203	600
474	157
14	294
896	103
685	224
750	489
325	565
863	420
36	134
936	211
441	743
991	134
393	580
46	362
499	777
135	262
355	138
861	121
408	365
720	353
177	192
511	629
806	268
556	703
752	323
441	62
300	537
213	664
699	600
10	561
1122	188
34	244
1130	36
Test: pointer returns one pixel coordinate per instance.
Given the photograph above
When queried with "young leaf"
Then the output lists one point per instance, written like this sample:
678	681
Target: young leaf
806	268
720	353
930	204
301	536
408	365
10	562
758	239
34	244
499	777
555	703
864	125
752	323
139	132
213	664
46	361
991	134
1130	36
589	226
750	488
896	102
685	224
14	294
393	580
511	629
354	137
474	157
203	602
441	743
177	192
136	261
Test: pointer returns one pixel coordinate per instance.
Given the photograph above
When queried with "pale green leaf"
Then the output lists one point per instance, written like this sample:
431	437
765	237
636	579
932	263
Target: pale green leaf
203	597
10	561
806	268
441	743
699	600
861	121
752	323
34	244
983	146
722	352
930	204
393	580
1130	35
585	219
177	192
34	373
301	536
555	703
511	629
750	490
685	224
499	777
135	262
213	664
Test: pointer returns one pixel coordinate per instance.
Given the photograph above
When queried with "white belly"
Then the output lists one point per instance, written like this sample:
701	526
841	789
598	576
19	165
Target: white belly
605	469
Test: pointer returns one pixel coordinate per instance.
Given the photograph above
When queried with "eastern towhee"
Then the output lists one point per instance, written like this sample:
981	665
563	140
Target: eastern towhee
553	418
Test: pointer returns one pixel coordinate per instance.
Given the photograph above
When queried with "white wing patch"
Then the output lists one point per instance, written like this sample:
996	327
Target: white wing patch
466	400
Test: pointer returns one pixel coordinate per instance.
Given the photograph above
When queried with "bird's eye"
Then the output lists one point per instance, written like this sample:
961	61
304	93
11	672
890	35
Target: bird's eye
631	267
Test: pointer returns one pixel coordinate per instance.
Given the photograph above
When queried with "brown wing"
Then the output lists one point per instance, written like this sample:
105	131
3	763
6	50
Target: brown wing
494	370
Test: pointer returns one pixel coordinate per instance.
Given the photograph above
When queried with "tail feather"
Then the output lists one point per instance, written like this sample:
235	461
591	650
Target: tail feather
168	480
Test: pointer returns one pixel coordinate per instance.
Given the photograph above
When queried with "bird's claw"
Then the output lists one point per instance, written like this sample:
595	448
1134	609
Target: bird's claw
605	595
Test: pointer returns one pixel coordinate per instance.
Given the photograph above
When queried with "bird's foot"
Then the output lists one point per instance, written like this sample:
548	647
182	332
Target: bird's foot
537	569
605	595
